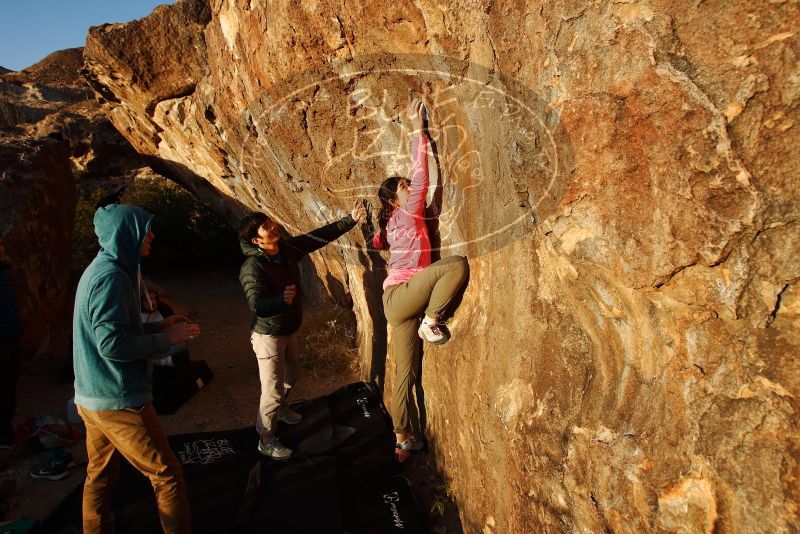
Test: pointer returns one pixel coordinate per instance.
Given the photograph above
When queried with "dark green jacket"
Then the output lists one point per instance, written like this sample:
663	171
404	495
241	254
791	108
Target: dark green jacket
264	279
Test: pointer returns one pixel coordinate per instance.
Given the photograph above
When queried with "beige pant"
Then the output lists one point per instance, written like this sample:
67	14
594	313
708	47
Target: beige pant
276	356
135	434
431	291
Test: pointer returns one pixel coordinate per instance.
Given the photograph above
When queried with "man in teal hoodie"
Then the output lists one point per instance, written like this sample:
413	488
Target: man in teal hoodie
112	353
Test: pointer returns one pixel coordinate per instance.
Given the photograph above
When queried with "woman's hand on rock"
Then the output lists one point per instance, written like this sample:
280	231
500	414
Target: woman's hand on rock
415	110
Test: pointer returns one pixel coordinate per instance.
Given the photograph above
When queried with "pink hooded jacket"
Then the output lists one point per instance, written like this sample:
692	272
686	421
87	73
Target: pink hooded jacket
409	246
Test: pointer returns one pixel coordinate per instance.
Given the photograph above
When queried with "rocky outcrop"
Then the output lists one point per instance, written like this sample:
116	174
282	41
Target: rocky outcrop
53	134
51	85
37	186
51	99
37	206
622	178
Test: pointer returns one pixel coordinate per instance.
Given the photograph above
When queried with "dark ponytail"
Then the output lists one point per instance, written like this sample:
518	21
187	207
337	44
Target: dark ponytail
387	194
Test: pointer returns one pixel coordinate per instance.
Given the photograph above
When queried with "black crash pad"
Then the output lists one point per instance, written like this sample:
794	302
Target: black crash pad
342	477
218	468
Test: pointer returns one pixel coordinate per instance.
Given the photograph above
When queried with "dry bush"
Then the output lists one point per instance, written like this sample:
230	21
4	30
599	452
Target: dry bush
328	342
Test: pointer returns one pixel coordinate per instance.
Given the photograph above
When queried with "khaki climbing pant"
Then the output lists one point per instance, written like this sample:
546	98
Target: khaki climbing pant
137	435
277	357
431	290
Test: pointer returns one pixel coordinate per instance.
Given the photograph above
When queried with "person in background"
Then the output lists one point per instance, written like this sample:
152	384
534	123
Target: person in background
155	311
270	277
10	333
112	355
414	287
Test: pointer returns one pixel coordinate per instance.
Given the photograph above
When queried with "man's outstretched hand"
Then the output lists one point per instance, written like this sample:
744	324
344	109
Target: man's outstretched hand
359	211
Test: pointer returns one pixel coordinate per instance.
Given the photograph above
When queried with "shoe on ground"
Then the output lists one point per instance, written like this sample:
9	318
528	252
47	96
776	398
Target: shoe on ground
53	465
433	333
274	449
289	416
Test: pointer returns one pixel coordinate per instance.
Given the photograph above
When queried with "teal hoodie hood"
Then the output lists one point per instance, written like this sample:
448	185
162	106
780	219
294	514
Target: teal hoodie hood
112	349
121	230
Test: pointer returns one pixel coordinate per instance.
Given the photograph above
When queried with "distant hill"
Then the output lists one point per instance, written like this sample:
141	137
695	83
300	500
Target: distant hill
60	68
41	90
4	70
52	99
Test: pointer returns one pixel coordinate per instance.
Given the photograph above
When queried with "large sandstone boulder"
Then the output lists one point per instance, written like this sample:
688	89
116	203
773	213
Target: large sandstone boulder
37	206
54	136
37	185
623	179
43	89
52	99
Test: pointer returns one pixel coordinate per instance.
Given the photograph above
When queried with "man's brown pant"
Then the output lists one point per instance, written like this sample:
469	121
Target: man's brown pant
137	435
430	290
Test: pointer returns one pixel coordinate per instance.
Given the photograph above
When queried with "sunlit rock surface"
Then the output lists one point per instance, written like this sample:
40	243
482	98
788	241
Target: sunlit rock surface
623	178
51	99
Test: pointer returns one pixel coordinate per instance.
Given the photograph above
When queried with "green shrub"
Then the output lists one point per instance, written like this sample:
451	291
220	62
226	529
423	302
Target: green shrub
189	235
84	240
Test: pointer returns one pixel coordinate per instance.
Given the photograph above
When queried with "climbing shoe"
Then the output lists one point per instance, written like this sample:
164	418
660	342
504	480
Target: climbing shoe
289	416
434	333
410	444
52	466
274	449
405	449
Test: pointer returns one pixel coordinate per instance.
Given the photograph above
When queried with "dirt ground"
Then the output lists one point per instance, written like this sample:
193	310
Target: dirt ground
215	301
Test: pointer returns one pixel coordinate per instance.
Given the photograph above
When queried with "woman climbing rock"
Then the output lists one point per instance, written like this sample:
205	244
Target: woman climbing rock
414	285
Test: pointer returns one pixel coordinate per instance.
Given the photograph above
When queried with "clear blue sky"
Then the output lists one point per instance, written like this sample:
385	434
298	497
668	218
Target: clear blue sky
31	29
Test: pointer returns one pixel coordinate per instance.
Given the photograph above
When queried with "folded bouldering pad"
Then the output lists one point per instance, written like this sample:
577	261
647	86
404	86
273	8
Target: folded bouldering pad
342	477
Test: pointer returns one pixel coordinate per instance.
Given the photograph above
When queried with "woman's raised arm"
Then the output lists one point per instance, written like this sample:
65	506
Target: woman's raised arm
415	204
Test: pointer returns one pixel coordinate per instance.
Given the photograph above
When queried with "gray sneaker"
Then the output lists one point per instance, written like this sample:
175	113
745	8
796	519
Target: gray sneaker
434	333
274	449
289	416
